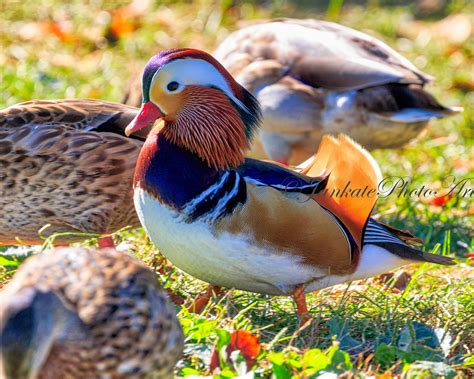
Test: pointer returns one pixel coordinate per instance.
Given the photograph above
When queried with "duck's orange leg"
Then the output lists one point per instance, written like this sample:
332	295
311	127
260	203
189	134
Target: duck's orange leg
202	299
105	242
299	298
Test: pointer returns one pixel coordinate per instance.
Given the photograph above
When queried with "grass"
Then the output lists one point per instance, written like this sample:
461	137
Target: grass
75	50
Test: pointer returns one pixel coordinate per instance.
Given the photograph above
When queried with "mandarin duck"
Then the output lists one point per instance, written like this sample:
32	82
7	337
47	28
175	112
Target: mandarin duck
78	313
244	223
316	77
66	163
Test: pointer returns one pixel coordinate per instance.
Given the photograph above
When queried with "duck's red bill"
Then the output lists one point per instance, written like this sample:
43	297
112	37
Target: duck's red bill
148	113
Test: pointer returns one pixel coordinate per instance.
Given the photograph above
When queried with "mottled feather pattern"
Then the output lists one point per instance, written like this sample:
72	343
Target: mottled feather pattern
130	329
81	114
62	164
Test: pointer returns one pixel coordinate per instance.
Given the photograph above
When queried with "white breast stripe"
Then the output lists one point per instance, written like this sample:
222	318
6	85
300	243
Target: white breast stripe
217	200
221	205
191	205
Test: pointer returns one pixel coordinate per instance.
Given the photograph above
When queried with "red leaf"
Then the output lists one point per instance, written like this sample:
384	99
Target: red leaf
242	341
214	360
440	201
402	278
247	344
121	23
125	20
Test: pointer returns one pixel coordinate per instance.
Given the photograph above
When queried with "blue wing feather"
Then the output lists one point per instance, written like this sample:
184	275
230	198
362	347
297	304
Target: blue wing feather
262	173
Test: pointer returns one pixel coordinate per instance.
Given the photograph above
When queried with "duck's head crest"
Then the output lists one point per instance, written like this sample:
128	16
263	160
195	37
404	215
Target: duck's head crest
204	109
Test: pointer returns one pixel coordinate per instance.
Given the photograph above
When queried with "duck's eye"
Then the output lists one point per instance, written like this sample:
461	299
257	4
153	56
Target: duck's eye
172	86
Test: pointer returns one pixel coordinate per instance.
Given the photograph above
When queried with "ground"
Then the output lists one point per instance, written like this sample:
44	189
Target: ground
79	49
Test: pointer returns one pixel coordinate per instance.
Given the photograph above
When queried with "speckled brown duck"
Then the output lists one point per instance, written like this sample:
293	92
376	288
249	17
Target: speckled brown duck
76	313
315	77
66	163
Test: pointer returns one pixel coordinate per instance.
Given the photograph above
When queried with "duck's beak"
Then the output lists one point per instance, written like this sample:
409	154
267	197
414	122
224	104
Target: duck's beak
148	113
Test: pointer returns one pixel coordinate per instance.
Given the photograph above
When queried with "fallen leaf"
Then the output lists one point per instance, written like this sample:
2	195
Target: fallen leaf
247	344
125	20
384	376
463	85
61	30
214	360
400	280
440	201
121	23
240	341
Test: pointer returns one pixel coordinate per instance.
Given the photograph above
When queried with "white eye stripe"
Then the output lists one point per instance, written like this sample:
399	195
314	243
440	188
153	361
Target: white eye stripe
192	71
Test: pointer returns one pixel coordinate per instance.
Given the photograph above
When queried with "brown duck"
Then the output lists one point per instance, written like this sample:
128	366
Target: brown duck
75	313
66	163
315	77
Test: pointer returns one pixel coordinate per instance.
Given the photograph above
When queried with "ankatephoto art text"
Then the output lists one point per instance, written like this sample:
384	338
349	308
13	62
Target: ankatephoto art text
404	187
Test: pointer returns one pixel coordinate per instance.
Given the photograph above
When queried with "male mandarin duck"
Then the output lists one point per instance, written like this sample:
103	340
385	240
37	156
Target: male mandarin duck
66	163
244	223
77	313
315	77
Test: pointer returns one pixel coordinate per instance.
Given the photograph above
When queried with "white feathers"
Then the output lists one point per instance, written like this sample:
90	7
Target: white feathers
222	258
412	115
192	71
231	260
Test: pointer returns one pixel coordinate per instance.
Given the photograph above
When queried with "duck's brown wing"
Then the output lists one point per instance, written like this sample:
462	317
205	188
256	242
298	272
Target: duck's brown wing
332	57
65	163
83	114
367	60
320	54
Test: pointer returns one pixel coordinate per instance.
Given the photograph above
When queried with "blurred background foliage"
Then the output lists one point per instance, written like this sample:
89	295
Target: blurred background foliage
92	49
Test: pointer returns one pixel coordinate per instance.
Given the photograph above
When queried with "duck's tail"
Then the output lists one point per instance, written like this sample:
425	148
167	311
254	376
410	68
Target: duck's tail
400	243
350	194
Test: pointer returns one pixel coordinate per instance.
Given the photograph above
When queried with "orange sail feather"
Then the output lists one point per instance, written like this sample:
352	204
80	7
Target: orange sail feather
354	175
